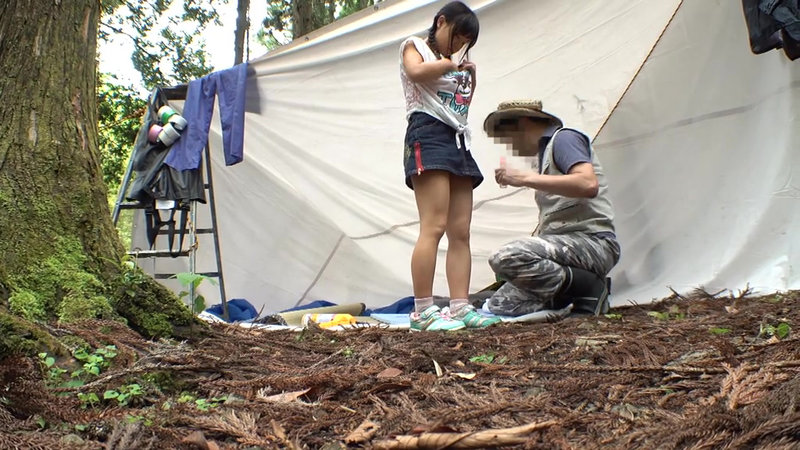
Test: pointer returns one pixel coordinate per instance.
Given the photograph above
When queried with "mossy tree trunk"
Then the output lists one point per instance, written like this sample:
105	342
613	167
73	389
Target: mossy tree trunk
52	193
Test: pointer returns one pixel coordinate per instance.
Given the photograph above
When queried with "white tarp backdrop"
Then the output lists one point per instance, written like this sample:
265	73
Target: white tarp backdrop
700	151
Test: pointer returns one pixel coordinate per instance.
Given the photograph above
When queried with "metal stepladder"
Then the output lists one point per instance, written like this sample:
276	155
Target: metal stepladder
178	210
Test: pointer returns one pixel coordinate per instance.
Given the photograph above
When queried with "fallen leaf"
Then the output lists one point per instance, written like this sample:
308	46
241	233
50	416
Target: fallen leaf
348	409
285	397
438	368
278	430
389	372
199	440
586	342
363	433
466	376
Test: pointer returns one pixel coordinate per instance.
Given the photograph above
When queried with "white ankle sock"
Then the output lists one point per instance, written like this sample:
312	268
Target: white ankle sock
421	304
458	303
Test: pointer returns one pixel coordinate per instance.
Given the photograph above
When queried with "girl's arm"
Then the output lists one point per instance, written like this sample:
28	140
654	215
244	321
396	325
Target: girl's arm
419	71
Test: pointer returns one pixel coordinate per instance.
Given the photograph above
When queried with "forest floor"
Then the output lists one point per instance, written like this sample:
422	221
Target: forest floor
686	372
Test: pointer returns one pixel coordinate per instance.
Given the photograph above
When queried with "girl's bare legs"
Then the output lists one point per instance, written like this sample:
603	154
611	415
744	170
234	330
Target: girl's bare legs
432	192
459	256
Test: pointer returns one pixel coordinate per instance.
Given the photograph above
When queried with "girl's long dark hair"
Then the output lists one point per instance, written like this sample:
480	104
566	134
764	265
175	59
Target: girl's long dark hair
463	20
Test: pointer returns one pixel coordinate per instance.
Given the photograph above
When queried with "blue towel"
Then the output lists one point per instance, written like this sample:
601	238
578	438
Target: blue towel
403	306
239	310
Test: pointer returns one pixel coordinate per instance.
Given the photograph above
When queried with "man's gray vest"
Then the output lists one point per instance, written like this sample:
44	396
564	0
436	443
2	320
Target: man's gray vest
560	215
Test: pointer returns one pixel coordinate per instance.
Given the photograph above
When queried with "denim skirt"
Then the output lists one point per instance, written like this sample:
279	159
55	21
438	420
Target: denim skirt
430	144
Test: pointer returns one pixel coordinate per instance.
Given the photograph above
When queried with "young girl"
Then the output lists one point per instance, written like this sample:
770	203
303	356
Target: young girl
438	87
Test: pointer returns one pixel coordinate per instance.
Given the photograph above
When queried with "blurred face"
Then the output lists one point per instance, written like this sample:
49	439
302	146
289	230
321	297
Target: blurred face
521	136
447	43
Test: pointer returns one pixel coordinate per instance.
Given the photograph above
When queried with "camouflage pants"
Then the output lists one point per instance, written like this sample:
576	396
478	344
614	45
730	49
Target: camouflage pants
533	268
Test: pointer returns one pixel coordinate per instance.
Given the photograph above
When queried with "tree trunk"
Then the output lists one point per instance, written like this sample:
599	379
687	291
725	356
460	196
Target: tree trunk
302	17
242	24
57	241
50	182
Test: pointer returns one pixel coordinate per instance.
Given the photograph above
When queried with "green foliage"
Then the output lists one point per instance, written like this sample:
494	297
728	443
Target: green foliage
193	281
74	308
27	305
168	46
613	316
162	382
777	298
288	19
659	315
18	336
488	358
125	394
54	374
673	313
145	420
88	399
93	363
59	286
718	330
137	298
202	404
781	330
119	112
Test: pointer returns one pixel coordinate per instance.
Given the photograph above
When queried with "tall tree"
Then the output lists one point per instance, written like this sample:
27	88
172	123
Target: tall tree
60	256
300	17
242	24
167	39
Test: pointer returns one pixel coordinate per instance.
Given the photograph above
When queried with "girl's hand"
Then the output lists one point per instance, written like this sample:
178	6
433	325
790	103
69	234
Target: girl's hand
468	65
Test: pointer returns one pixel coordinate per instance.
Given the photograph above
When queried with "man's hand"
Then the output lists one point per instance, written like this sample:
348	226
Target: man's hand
580	182
506	176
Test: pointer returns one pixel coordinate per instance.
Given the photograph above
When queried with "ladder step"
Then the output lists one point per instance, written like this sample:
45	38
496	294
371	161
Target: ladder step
157	253
164	276
131	205
137	205
197	231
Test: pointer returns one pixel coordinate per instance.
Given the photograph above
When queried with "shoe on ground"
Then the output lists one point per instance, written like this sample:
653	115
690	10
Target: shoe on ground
551	315
432	319
472	318
596	304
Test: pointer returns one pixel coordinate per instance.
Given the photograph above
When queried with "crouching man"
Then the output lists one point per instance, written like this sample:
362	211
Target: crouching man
573	248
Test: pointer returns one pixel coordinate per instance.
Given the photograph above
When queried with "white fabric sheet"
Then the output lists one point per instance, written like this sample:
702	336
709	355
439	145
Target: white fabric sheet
703	156
699	152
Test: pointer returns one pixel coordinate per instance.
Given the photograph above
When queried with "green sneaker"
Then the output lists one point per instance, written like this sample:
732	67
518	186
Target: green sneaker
474	319
431	319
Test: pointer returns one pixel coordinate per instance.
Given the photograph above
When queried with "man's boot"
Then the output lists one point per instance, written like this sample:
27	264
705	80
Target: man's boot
587	291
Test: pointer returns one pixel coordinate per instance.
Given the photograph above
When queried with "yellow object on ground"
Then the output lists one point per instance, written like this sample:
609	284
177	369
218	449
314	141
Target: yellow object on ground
329	320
